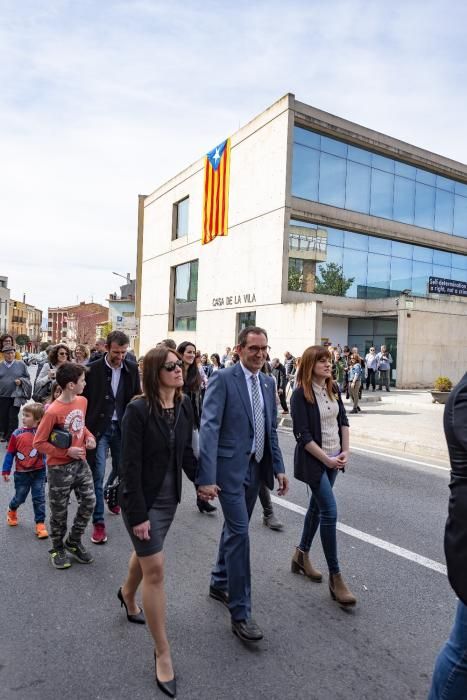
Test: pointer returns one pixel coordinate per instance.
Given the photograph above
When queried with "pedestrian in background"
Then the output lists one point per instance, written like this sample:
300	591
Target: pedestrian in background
215	362
6	340
371	364
112	381
13	373
192	385
338	368
384	362
156	446
58	355
450	673
355	381
82	354
321	429
279	374
99	350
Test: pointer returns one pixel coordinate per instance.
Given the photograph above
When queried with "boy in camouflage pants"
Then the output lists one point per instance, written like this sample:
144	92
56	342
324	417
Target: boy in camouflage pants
67	467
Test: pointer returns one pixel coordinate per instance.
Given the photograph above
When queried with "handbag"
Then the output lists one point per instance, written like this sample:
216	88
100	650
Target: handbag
111	494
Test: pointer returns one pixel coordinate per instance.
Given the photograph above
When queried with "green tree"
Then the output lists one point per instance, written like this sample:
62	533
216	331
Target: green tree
22	340
295	280
106	328
332	281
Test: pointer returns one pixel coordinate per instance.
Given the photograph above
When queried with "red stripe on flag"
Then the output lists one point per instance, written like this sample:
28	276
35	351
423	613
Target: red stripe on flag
222	230
211	211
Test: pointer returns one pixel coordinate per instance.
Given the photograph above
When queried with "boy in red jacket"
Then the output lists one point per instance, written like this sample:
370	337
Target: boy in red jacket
29	469
67	467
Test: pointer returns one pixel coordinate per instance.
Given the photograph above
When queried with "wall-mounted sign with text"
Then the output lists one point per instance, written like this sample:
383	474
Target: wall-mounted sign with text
235	300
439	285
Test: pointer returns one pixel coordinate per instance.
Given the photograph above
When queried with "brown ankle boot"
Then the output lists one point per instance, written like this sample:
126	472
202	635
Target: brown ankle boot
301	564
340	592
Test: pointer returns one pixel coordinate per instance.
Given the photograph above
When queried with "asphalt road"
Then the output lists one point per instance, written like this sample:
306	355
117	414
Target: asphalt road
64	635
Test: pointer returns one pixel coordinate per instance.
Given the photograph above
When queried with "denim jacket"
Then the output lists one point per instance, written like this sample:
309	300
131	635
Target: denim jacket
355	372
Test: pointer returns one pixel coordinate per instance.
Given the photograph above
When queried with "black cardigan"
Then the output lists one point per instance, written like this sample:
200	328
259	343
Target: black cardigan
307	428
455	537
145	455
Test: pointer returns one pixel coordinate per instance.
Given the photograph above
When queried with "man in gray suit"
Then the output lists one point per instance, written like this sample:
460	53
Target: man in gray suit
239	449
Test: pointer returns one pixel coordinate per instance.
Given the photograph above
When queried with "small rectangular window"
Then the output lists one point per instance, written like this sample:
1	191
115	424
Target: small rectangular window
180	218
185	295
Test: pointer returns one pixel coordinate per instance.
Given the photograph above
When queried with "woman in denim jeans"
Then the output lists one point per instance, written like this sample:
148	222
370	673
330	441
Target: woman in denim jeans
321	429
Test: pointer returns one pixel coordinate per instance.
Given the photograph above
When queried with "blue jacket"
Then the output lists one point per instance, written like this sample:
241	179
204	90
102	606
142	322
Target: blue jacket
227	431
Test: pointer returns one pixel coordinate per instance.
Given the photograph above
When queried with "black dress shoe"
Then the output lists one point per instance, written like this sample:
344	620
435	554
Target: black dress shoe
138	619
247	630
220	595
168	687
205	506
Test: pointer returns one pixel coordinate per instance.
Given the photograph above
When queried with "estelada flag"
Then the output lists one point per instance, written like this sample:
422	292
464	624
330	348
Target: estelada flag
216	192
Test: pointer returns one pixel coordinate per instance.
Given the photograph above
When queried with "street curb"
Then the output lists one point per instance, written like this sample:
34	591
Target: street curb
410	447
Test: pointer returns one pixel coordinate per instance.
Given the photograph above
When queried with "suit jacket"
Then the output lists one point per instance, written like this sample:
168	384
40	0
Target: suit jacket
101	401
146	455
227	431
455	538
306	422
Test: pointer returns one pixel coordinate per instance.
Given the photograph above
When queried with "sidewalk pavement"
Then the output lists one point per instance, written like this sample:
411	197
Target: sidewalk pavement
402	420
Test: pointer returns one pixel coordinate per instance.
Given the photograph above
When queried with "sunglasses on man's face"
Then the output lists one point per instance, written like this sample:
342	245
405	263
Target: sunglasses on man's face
170	366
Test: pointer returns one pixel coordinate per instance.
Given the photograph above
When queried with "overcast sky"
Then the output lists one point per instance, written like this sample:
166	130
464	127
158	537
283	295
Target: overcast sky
101	100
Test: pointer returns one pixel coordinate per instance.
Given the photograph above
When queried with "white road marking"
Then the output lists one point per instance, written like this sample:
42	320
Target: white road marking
400	459
370	539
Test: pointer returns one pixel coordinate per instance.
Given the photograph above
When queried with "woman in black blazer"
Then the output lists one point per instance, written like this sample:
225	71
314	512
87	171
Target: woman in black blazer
156	445
321	429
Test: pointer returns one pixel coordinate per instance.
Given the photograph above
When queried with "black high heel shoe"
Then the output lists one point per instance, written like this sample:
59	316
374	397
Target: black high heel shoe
138	619
205	506
167	687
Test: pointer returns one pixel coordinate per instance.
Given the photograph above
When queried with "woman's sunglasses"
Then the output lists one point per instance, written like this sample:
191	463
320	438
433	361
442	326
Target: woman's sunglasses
170	366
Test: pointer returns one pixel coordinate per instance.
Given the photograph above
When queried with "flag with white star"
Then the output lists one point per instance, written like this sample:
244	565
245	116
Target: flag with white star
216	192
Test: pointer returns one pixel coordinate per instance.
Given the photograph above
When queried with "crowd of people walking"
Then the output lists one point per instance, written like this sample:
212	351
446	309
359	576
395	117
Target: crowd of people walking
178	411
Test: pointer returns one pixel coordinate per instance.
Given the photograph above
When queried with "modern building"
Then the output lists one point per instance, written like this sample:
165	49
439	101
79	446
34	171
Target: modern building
75	324
122	311
337	233
4	304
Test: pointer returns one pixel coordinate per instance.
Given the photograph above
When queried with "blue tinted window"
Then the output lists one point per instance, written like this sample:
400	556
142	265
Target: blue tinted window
422	254
459	261
358	187
442	271
359	155
378	275
460	188
337	148
335	236
459	275
402	250
424	205
334	254
382	193
305	172
444	183
426	177
356	241
404	200
379	245
307	138
355	264
441	257
421	271
332	180
401	274
444	211
405	170
306	224
460	216
382	163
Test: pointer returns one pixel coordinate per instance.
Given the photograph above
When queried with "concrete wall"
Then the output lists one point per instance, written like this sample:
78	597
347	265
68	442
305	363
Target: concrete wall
249	261
4	303
432	341
336	329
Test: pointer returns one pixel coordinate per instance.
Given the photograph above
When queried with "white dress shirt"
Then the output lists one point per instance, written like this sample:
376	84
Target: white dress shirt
116	374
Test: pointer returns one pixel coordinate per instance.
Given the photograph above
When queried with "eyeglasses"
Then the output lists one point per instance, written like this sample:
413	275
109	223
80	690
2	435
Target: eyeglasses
255	349
170	366
64	353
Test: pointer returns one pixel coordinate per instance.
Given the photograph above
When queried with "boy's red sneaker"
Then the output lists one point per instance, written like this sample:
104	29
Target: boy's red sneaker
12	517
41	531
99	535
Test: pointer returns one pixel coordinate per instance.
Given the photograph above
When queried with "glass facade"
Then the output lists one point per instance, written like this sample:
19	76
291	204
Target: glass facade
186	295
344	263
333	172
